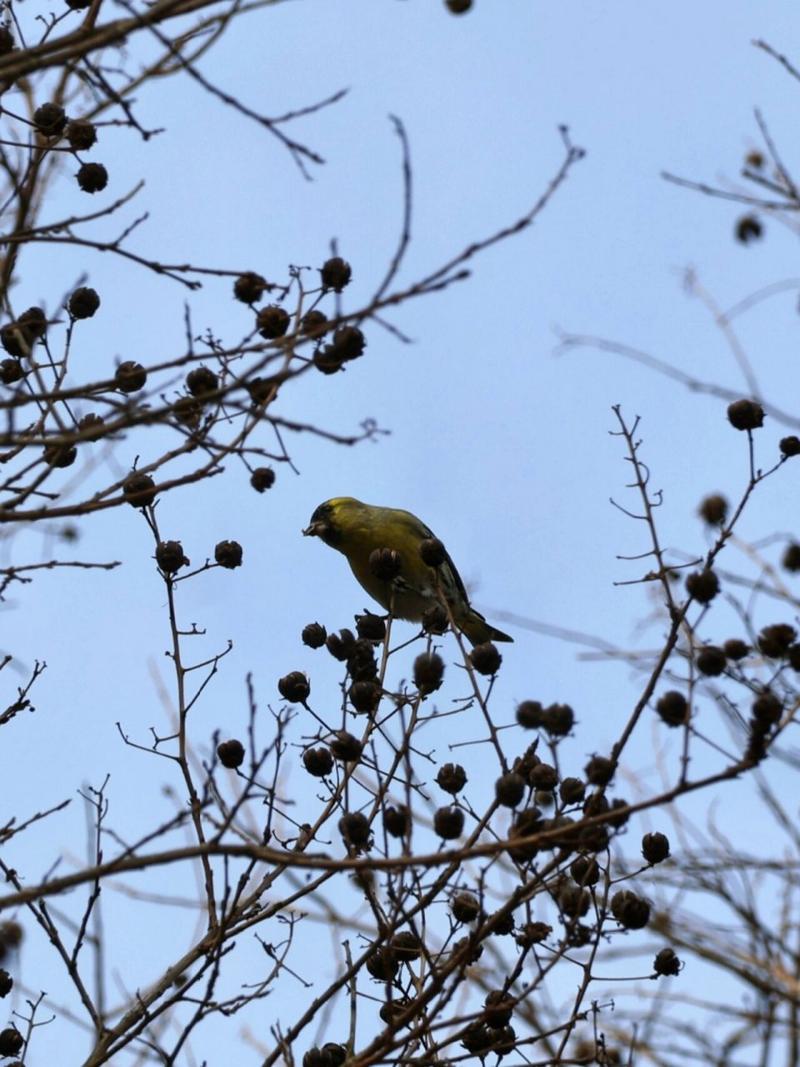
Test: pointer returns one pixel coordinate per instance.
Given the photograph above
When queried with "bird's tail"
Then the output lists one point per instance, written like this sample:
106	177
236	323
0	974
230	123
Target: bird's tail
477	630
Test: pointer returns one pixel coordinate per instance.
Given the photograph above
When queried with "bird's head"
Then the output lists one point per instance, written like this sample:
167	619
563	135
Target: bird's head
327	520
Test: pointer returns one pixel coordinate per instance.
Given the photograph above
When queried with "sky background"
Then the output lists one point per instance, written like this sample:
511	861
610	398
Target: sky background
498	442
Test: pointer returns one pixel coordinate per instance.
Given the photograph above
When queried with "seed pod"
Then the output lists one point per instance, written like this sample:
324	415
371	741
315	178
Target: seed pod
262	478
543	777
261	390
383	964
318	762
34	321
139	489
573	901
735	649
341	645
406	946
11	934
361	662
620	806
228	554
428	672
703	586
745	415
371	627
485	658
19	337
558	720
385	563
201	381
774	641
188	411
315	1057
11	1041
435	621
294	687
477	1038
466	951
599	770
509	789
170	557
314	635
92	177
272	321
83	303
713	509
81	133
335	274
630	910
432	552
365	696
11	371
396	820
502	924
465	907
393	1010
130	376
527	822
231	753
533	934
711	661
748	228
767	709
50	120
530	714
354	828
250	287
655	847
345	747
498	1009
585	870
672	708
326	359
667	963
451	778
60	455
572	790
594	838
448	823
348	343
314	323
336	1054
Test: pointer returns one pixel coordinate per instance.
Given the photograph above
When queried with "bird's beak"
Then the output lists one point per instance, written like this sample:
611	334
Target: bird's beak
314	530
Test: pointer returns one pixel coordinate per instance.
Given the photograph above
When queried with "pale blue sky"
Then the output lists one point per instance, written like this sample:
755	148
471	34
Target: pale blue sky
502	448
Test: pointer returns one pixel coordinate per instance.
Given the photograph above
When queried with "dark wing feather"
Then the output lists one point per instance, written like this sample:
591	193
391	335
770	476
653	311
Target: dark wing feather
413	522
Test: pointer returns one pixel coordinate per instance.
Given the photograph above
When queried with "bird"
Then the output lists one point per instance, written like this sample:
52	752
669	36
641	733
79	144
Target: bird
404	585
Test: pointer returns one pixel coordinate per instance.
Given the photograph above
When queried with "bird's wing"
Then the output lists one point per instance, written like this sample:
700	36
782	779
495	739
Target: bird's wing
456	577
415	524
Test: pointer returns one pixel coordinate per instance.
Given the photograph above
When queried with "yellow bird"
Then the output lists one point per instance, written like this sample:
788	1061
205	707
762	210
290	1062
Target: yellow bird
357	530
